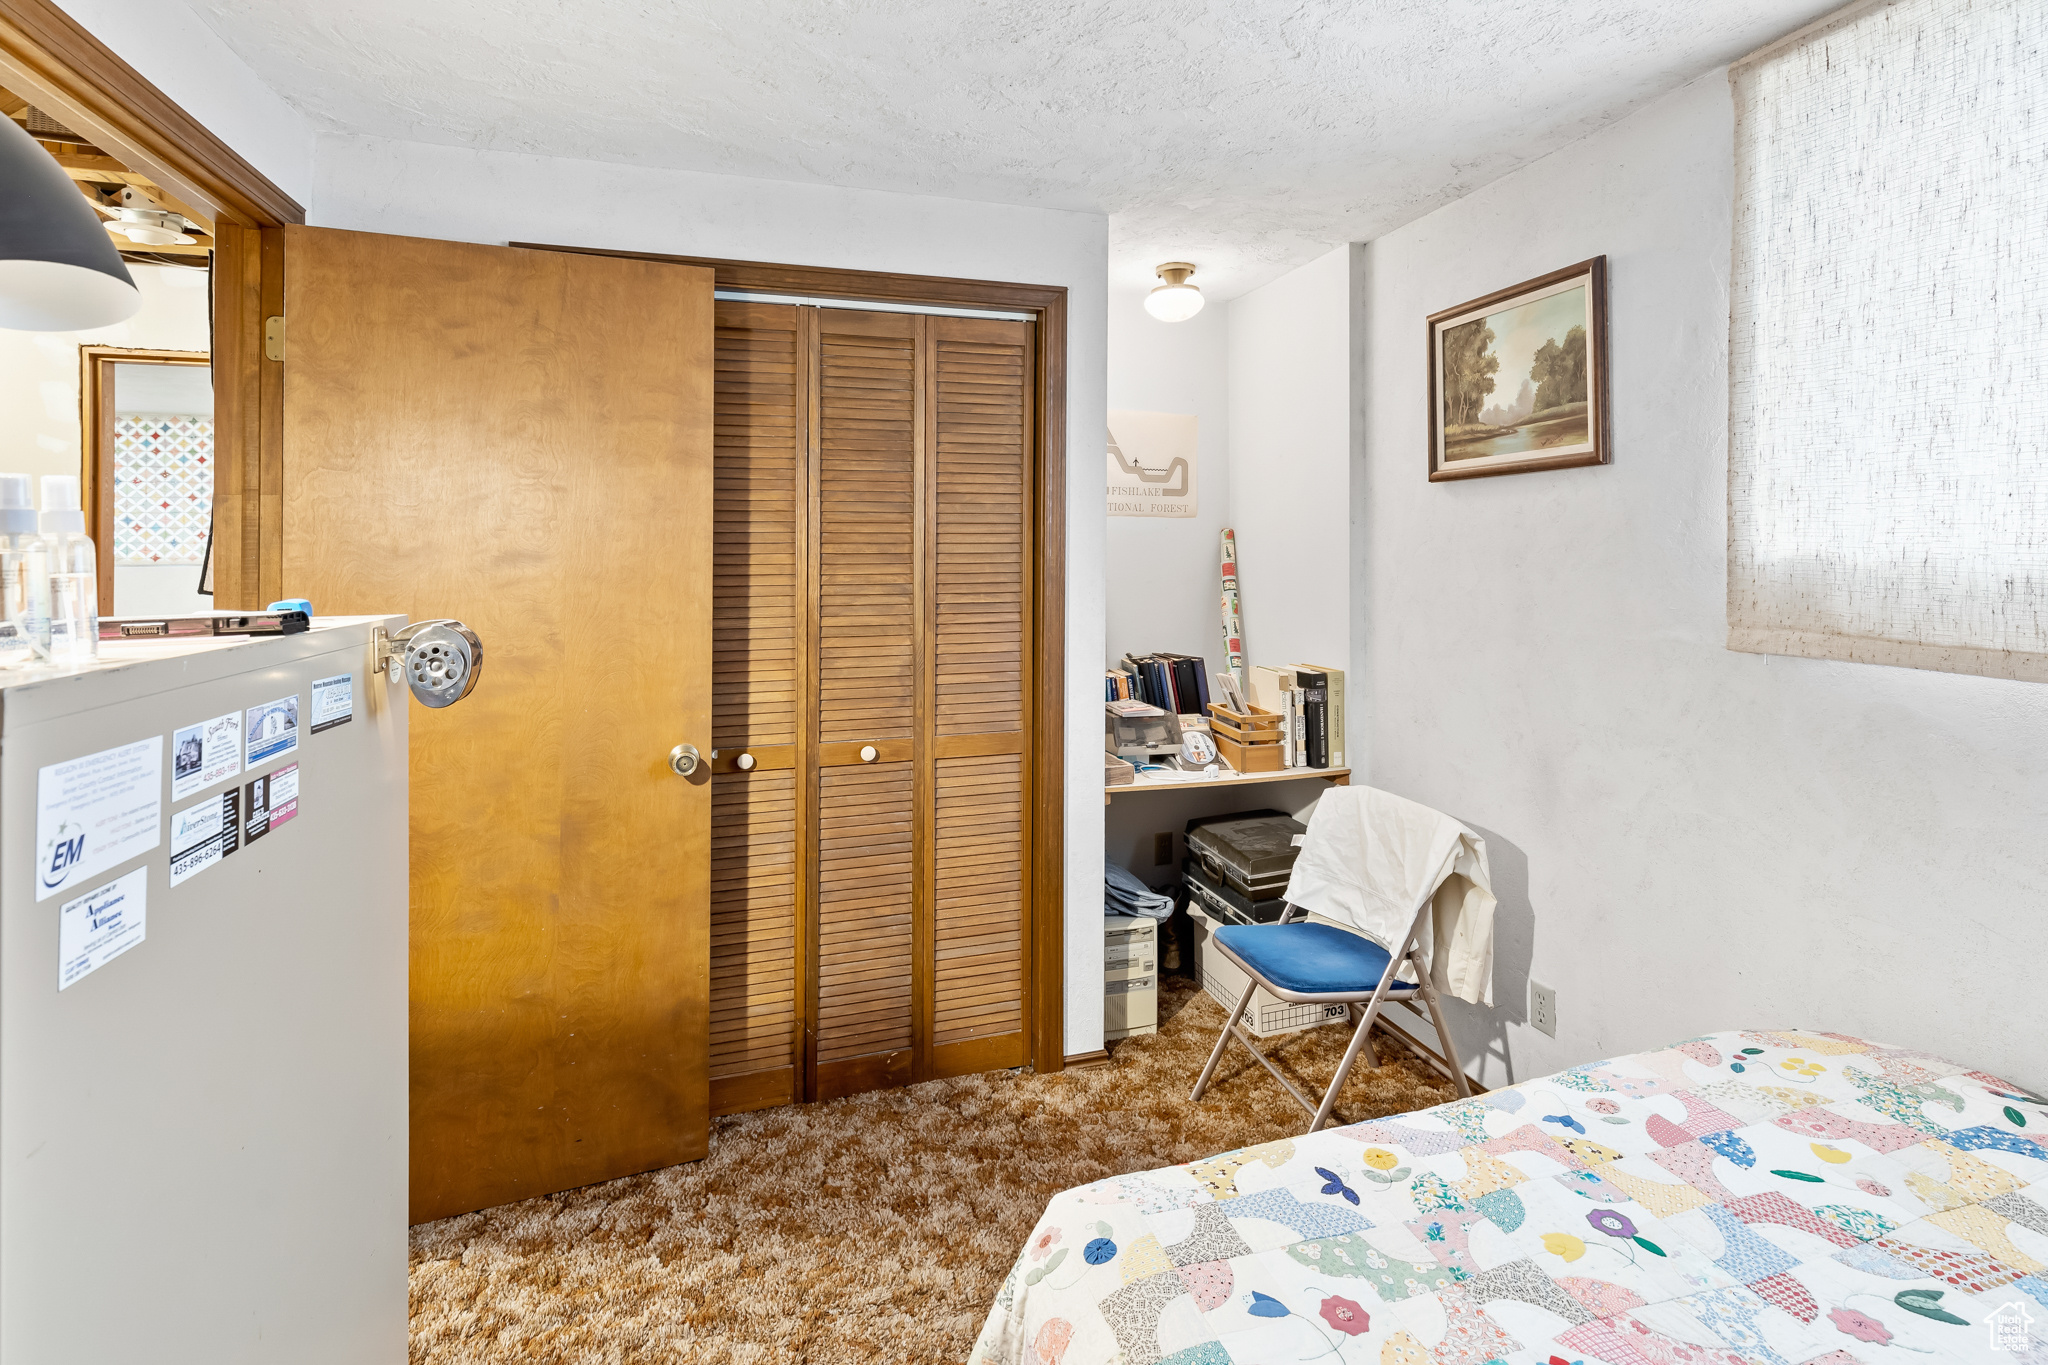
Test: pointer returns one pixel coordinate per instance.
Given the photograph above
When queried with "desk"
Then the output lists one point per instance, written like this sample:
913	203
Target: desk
1336	777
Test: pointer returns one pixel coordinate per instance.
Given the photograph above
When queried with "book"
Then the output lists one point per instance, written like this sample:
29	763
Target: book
1338	719
1268	686
1185	693
1314	690
1172	682
1195	670
1273	690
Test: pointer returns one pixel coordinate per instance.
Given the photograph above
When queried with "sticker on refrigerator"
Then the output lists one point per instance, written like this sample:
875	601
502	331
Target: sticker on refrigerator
334	701
272	801
203	754
99	926
273	729
202	835
96	811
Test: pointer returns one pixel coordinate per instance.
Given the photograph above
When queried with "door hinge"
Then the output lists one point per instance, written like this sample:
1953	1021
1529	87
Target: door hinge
273	338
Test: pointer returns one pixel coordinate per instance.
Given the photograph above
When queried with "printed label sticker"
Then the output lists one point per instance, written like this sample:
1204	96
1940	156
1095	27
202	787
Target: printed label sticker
203	754
273	729
273	801
202	835
99	926
96	811
333	701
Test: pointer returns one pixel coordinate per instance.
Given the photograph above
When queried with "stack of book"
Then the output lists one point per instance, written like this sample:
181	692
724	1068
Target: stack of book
1310	698
1174	682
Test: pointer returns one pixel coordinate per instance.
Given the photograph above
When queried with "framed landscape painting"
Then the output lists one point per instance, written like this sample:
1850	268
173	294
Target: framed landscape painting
1518	379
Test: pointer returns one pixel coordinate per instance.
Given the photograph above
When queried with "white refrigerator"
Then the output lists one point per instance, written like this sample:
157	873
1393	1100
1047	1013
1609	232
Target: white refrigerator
203	1004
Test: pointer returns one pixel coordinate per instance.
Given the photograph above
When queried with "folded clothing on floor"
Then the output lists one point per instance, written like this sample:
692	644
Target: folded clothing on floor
1124	894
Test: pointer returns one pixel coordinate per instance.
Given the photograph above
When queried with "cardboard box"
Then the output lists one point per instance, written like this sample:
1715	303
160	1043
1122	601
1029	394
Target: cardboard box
1225	981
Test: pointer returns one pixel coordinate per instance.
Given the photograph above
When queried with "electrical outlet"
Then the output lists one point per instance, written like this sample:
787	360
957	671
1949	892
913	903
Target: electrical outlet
1543	1008
1162	849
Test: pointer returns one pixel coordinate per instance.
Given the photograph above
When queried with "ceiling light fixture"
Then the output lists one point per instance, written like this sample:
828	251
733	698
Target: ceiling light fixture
1176	300
150	227
59	271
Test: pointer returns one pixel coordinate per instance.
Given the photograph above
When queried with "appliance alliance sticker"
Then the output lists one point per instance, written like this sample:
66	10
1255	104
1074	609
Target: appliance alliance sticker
96	811
99	926
203	834
273	729
333	701
203	754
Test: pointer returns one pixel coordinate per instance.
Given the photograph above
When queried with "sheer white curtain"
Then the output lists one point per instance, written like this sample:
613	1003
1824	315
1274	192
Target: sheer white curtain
1888	452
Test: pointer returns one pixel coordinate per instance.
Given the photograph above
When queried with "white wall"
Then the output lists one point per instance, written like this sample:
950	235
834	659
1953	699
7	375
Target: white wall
1290	464
1684	838
377	185
186	60
39	409
1163	580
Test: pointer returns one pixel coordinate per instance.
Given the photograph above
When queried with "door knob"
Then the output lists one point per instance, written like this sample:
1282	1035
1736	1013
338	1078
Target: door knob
745	763
683	759
868	753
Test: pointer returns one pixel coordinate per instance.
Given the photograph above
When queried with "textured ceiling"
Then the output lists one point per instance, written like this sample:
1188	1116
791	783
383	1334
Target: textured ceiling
1245	137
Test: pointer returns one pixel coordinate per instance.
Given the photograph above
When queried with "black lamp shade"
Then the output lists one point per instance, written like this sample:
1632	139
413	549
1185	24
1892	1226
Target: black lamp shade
59	271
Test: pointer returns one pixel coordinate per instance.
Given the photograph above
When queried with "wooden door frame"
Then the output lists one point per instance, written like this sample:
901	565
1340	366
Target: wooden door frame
1045	956
81	81
97	399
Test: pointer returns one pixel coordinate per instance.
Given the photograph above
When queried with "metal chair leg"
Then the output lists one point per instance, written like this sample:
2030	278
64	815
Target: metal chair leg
1443	1034
1243	1003
1344	1069
1372	1056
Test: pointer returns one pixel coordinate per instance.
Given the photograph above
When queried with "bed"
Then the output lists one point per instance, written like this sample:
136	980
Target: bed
1779	1197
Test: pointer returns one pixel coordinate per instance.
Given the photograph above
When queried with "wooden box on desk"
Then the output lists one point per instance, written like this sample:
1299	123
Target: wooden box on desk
1249	742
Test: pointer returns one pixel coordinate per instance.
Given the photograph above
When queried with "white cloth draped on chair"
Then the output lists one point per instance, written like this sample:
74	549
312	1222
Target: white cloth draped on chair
1369	859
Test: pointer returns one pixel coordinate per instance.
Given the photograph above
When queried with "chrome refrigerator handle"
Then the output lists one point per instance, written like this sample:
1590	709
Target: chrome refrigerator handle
439	660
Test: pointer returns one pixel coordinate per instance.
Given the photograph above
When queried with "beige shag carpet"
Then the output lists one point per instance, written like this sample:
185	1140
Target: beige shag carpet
875	1228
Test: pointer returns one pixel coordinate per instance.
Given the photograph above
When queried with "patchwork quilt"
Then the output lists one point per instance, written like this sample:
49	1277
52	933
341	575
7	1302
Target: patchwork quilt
1780	1198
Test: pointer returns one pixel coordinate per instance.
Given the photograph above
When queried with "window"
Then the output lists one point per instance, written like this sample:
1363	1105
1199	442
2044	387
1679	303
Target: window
1888	437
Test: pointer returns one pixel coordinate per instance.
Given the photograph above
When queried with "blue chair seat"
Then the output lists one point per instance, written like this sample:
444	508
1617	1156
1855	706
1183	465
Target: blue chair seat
1310	959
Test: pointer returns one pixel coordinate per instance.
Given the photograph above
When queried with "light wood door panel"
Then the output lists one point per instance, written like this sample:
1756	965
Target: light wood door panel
866	495
866	889
981	518
760	639
866	500
979	526
523	440
978	903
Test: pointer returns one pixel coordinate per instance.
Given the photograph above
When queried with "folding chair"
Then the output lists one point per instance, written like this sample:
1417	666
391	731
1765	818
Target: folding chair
1303	962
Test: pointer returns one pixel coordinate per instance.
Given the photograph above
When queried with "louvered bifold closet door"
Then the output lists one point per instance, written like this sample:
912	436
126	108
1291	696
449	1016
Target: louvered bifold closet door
872	613
978	512
867	588
758	667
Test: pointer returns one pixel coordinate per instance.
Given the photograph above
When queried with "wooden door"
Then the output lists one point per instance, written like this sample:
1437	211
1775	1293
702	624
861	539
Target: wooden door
875	562
870	698
760	652
979	512
522	439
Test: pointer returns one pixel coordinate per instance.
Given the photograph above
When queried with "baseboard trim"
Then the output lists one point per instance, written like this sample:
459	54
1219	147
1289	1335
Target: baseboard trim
1426	1052
1080	1061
